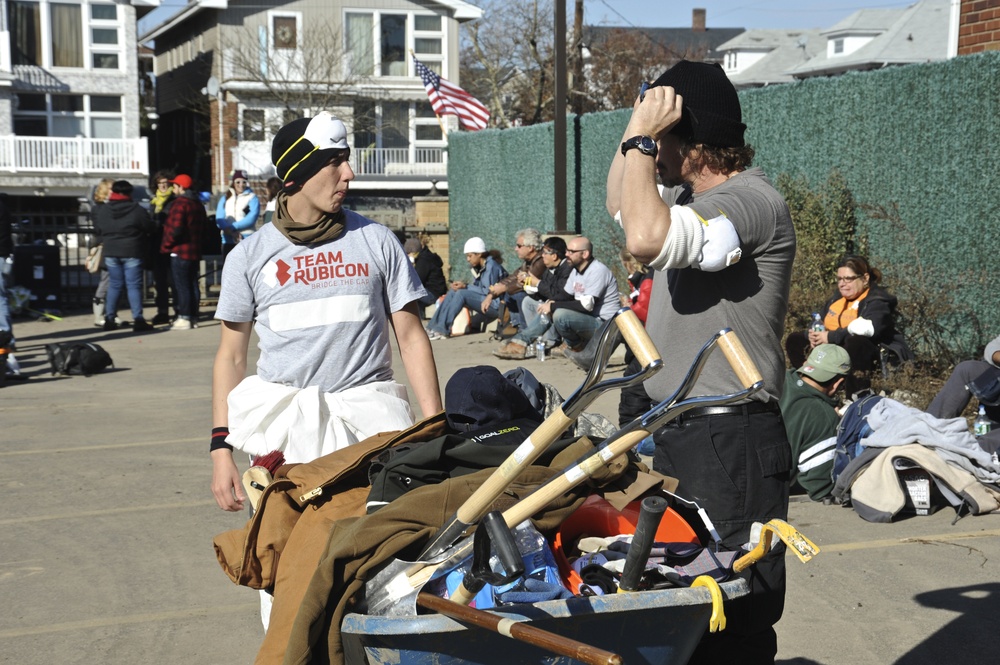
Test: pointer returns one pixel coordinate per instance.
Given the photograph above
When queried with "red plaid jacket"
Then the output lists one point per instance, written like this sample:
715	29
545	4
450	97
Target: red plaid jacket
182	231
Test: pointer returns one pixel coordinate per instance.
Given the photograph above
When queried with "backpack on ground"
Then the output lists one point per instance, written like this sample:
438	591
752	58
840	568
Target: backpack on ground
852	429
77	358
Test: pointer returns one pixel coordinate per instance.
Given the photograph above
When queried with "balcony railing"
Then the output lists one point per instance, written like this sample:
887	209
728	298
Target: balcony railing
255	158
421	162
73	155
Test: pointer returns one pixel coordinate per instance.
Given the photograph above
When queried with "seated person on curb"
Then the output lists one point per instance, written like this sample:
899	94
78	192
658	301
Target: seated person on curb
428	266
810	414
955	394
511	288
595	300
486	272
860	316
551	287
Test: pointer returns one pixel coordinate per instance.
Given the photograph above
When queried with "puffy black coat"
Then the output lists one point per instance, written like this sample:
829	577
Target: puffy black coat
124	229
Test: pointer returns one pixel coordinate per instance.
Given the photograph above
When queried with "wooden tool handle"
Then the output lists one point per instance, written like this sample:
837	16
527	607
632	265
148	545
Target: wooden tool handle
543	436
520	631
739	359
634	334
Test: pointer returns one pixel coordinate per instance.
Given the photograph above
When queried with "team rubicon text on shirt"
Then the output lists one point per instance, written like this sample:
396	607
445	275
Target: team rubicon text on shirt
320	267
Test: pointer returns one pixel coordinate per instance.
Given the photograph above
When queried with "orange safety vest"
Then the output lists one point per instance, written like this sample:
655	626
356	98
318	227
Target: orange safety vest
842	312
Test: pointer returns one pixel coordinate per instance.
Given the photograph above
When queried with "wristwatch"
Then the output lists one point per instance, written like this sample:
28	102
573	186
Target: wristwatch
644	144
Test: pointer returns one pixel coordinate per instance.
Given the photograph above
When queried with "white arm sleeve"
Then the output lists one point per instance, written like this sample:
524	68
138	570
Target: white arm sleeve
861	327
685	237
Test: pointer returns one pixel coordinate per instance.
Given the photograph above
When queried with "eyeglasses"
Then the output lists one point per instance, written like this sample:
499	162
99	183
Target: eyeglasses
550	252
518	245
575	251
848	279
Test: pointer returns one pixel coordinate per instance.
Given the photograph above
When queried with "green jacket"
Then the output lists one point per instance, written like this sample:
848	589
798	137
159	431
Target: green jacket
811	423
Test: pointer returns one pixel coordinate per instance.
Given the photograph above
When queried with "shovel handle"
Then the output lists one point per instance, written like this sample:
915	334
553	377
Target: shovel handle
520	631
739	359
635	335
543	436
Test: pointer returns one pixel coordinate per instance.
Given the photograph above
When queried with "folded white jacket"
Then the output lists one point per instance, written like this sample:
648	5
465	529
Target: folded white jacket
306	424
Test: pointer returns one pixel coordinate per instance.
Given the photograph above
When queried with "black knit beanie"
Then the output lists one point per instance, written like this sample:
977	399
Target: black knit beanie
302	147
712	113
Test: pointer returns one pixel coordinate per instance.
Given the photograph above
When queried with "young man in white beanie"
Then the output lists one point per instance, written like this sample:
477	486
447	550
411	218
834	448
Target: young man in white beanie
324	288
485	272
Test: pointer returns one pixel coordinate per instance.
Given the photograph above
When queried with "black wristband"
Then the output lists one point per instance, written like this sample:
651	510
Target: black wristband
219	435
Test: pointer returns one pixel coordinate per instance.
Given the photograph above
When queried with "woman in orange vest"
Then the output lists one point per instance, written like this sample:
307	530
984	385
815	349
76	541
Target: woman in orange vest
860	317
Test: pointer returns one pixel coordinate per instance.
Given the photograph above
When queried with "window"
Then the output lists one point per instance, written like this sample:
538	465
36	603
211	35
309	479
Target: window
67	35
253	124
26	33
360	46
104	36
64	34
379	44
393	29
104	12
838	45
90	116
105	104
104	61
284	32
427	23
365	125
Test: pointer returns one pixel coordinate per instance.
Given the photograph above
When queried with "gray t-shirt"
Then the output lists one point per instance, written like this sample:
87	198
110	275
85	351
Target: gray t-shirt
687	305
599	283
322	311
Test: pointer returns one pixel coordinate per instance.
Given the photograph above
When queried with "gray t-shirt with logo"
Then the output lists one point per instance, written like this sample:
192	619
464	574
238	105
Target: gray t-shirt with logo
321	311
687	305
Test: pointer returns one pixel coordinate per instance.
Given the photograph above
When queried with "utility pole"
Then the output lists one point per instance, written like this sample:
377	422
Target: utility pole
560	117
577	85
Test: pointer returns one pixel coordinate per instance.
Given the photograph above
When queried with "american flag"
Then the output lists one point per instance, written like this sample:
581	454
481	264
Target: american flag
448	99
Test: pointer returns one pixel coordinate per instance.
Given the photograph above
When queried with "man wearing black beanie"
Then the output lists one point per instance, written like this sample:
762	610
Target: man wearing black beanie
721	241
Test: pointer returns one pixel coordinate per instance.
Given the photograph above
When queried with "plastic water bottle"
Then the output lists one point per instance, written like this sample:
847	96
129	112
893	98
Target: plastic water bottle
540	349
982	425
817	323
7	266
545	319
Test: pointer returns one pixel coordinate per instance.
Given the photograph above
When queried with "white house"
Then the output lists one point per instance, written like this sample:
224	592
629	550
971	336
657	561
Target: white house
230	73
758	58
876	38
69	96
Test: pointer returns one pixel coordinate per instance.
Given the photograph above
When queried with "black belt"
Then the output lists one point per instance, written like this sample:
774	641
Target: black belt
747	409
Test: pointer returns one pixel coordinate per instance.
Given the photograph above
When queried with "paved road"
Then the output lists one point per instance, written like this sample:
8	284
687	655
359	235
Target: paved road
107	522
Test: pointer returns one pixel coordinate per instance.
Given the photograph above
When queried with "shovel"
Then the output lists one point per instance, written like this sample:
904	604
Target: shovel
628	324
393	590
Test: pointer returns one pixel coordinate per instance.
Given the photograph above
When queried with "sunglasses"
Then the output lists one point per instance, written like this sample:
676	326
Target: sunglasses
848	279
519	245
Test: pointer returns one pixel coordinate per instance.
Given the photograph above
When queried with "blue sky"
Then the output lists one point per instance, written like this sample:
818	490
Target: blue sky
666	14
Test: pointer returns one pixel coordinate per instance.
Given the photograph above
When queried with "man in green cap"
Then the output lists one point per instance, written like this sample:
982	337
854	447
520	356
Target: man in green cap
810	414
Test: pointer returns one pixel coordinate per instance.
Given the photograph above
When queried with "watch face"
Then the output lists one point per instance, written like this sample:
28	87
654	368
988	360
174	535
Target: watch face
647	145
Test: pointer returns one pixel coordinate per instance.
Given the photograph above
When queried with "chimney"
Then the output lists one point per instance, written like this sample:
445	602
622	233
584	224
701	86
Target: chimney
698	20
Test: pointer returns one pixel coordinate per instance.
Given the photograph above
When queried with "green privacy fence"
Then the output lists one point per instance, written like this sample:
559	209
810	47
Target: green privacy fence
921	141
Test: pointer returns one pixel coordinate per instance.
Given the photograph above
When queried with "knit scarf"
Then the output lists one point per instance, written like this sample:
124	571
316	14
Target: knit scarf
328	227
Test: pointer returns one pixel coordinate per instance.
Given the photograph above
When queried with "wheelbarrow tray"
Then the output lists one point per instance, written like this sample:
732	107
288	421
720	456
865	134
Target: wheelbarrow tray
646	627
